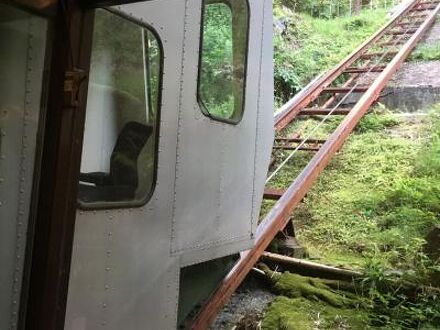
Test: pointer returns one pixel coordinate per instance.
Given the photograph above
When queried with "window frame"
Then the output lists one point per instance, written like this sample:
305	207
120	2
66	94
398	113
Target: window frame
105	205
200	102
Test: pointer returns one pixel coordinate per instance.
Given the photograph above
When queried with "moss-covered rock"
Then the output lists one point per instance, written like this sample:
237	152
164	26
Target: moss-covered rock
303	314
296	286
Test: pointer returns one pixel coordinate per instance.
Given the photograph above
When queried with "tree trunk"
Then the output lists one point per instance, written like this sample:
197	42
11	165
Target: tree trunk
356	7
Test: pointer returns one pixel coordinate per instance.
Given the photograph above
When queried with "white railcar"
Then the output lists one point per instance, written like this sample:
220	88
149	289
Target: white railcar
136	191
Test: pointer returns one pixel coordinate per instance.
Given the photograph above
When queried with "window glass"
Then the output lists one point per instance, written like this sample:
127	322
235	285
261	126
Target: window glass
119	152
222	69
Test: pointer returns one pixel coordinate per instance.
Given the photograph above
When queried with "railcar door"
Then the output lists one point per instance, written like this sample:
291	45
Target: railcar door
122	276
22	62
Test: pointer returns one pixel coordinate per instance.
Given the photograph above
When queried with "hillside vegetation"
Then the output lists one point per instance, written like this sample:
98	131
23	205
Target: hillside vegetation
372	207
306	46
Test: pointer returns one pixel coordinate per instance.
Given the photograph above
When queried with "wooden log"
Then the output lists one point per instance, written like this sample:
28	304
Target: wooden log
312	266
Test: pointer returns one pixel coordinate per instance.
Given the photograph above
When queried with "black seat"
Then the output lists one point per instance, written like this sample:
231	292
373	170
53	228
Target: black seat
122	181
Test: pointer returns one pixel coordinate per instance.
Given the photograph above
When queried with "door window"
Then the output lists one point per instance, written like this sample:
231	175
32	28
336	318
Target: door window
119	160
223	55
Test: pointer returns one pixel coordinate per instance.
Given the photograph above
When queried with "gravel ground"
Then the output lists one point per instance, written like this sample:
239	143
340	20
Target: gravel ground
433	35
418	74
421	73
250	300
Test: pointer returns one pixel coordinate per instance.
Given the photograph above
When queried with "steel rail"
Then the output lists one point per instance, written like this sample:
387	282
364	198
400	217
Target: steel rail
349	91
279	215
289	111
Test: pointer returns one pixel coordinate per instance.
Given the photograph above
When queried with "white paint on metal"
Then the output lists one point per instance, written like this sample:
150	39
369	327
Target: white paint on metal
22	40
126	263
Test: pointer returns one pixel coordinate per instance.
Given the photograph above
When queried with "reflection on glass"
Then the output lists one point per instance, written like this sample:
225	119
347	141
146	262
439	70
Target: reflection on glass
223	59
118	161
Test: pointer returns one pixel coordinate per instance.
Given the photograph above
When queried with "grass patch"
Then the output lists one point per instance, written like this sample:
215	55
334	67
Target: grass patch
370	209
304	314
379	196
308	46
426	53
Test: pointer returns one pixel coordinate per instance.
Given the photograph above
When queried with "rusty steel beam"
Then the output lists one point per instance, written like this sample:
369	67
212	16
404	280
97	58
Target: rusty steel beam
378	54
394	43
377	68
299	140
273	193
357	89
289	111
321	111
279	215
403	31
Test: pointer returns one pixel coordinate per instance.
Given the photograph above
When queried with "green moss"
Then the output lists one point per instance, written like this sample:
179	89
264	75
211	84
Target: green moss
426	53
296	286
370	209
303	314
380	193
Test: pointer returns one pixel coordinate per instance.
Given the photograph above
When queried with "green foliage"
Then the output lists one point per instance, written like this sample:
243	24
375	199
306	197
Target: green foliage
376	121
295	286
391	306
223	58
216	65
305	314
306	46
373	206
317	8
118	59
426	53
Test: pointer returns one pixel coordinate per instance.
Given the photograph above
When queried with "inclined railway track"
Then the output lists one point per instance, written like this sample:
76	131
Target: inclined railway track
377	59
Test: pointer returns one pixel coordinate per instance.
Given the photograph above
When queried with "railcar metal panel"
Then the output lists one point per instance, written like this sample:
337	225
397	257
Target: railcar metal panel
210	180
22	44
215	187
122	276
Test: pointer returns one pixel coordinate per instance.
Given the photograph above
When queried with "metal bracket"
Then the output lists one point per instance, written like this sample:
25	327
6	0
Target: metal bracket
72	83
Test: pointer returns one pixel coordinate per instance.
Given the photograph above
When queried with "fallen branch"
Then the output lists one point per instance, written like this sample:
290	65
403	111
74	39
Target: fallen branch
318	270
